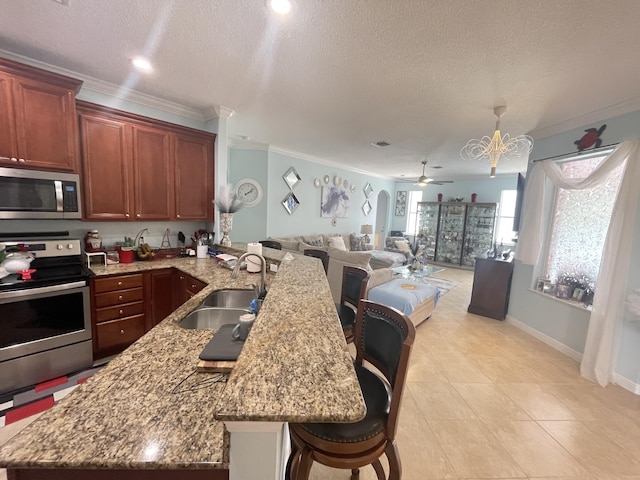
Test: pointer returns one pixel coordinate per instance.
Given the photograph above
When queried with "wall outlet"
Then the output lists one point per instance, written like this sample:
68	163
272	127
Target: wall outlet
273	267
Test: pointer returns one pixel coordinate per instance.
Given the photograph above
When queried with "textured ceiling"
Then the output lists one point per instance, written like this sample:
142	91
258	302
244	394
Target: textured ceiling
336	75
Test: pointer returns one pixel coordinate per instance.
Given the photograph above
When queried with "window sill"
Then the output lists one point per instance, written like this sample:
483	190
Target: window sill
572	303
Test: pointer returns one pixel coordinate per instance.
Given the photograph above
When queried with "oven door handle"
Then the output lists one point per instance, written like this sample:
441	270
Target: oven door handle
41	290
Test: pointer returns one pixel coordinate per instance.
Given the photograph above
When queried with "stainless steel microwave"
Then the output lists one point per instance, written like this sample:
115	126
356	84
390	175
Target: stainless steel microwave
32	194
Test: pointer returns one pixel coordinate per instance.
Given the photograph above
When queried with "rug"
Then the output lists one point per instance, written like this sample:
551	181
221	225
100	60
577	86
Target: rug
440	283
40	397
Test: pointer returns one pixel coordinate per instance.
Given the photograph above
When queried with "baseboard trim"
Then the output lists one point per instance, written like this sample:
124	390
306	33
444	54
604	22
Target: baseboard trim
552	342
625	383
616	378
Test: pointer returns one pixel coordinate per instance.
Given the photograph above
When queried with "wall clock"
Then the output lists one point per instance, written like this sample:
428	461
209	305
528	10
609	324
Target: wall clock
249	192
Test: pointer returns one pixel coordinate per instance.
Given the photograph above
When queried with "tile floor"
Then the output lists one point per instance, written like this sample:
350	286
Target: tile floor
485	400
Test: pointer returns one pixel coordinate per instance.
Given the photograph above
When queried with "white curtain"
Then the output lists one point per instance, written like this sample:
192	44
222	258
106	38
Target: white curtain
608	302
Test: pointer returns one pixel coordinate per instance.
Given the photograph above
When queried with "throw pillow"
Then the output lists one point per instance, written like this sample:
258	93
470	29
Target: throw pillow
356	259
314	240
357	244
337	242
403	246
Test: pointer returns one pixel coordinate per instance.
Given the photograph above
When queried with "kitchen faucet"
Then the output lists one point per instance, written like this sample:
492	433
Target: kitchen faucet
263	271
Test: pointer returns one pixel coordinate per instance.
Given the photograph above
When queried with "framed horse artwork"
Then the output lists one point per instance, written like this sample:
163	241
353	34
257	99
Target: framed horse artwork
335	202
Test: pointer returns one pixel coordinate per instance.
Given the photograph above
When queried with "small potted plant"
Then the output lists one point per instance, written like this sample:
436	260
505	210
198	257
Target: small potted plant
126	250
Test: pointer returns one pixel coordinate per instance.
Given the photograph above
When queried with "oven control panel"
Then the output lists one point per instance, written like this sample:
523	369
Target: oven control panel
45	248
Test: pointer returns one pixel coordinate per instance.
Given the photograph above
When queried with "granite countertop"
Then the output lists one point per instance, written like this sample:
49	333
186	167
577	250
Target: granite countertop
149	408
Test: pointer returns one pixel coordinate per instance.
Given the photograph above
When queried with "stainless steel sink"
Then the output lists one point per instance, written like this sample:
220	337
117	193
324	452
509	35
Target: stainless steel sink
211	318
229	298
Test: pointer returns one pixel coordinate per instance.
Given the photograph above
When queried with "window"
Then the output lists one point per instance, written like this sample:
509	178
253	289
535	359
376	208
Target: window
579	224
415	196
506	214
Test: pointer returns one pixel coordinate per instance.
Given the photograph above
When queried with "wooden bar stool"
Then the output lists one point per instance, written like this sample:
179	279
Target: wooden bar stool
384	337
321	254
354	288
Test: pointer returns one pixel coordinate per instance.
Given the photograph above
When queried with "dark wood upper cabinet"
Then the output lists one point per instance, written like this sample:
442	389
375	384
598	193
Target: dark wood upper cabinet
193	172
38	118
152	167
158	171
106	168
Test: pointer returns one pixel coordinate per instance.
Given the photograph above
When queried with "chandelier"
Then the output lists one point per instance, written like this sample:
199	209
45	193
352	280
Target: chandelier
492	149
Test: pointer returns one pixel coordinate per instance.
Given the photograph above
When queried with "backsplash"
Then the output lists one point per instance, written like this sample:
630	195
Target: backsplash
111	232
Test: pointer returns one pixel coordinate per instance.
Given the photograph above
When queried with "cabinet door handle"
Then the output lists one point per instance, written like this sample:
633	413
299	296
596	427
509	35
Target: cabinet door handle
14	159
120	283
138	215
21	160
119	297
122	332
126	215
193	286
121	311
177	216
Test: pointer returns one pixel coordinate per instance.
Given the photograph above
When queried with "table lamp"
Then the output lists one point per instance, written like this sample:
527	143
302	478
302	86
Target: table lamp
366	230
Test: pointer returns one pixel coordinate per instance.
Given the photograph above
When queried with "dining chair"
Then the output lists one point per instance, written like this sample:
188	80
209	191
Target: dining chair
384	338
271	244
354	288
321	254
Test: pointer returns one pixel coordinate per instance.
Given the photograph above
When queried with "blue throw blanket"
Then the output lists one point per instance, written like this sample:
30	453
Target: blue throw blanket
403	294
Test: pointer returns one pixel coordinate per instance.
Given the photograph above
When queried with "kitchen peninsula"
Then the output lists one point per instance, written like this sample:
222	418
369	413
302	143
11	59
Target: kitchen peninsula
149	413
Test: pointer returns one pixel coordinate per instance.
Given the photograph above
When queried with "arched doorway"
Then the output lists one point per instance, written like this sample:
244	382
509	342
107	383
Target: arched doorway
382	214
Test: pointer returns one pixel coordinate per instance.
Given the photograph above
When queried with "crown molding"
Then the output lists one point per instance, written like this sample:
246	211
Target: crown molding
595	116
95	85
323	161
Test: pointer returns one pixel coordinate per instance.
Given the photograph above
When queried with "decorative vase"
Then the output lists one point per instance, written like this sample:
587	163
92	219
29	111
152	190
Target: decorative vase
226	222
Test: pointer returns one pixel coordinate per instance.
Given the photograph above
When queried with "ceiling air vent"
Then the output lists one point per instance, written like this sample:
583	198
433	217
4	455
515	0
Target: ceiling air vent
381	144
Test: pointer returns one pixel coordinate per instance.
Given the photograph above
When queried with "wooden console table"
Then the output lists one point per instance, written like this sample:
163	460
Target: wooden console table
491	287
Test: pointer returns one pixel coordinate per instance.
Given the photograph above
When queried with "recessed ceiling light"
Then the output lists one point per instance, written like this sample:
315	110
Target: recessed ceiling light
280	6
380	144
142	64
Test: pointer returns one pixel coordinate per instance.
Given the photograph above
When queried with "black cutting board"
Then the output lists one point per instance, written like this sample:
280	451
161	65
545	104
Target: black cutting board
223	346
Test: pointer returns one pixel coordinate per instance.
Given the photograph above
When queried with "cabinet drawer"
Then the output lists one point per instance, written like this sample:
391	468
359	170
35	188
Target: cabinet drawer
119	297
117	283
119	311
119	332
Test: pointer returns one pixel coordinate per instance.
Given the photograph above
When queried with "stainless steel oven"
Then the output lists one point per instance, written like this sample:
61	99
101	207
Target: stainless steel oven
45	321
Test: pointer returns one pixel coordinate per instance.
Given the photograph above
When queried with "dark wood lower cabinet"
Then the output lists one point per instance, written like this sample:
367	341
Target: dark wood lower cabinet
491	287
161	295
125	307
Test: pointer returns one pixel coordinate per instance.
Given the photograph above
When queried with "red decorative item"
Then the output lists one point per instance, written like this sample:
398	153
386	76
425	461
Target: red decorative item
439	197
592	137
474	197
26	274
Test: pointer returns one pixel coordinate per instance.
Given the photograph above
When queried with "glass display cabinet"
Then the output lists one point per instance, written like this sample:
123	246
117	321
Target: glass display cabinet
450	233
427	227
478	232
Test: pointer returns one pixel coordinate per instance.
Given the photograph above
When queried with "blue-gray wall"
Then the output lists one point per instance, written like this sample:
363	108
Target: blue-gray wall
488	190
270	219
564	325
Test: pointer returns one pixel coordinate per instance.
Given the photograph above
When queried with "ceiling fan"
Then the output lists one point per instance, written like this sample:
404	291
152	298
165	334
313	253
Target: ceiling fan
423	180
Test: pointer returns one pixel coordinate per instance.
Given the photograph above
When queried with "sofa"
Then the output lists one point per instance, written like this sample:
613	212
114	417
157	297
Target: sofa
349	242
343	249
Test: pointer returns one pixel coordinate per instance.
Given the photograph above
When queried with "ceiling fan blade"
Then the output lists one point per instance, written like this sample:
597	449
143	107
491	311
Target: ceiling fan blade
441	182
